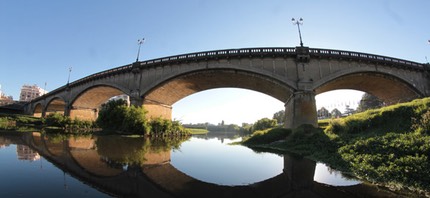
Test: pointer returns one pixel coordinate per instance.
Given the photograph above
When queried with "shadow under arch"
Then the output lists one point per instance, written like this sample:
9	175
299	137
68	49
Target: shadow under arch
388	88
87	103
56	105
38	110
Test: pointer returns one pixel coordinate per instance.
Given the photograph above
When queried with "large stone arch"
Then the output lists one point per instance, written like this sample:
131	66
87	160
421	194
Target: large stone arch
389	88
87	103
158	100
55	105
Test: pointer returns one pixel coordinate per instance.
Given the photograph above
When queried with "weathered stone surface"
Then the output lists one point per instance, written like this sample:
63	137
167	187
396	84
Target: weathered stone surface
278	72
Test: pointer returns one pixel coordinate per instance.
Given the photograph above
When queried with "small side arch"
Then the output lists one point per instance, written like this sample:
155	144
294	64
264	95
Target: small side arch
86	104
56	105
38	110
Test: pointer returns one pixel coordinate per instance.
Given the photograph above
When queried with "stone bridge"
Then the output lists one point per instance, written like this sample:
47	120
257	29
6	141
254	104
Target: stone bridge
292	75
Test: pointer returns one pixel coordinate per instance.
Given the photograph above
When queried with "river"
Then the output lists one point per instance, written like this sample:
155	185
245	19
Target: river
41	165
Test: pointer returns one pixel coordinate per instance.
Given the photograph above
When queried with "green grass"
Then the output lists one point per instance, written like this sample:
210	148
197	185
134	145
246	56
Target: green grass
20	123
195	131
388	146
267	136
323	123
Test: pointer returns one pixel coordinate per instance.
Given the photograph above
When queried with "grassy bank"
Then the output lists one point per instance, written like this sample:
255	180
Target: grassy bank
21	123
195	131
388	146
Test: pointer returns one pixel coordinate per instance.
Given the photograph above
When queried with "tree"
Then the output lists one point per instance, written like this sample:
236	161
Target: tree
336	113
264	123
323	113
369	101
116	115
279	116
349	110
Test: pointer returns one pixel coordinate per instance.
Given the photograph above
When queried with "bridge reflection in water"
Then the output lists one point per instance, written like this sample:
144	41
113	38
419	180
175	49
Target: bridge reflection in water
138	167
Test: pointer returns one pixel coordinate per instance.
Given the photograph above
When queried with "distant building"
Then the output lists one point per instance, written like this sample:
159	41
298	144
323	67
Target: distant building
26	153
30	92
4	99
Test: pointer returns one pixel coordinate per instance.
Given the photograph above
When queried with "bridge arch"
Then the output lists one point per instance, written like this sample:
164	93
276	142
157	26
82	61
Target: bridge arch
161	95
55	105
389	88
87	103
38	110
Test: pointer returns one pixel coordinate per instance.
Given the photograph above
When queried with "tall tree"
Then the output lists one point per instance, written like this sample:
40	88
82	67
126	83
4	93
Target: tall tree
369	101
336	113
264	123
349	110
279	116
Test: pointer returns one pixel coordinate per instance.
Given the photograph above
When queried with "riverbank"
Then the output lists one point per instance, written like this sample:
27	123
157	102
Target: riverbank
388	146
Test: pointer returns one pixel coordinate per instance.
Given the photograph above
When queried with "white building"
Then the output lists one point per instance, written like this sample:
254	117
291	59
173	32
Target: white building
4	99
30	92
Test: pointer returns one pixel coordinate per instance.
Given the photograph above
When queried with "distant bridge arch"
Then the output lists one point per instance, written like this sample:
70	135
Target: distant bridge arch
292	75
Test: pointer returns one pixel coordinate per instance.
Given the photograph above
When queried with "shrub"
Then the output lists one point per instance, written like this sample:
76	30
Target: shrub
423	124
57	120
267	136
264	123
115	115
135	121
112	115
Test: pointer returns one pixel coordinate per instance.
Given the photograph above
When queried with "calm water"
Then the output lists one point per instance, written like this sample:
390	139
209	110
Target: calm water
37	165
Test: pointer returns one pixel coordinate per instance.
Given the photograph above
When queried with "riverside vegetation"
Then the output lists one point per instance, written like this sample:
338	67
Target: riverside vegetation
114	117
389	146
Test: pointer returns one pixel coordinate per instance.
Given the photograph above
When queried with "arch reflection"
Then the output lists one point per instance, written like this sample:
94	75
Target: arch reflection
137	167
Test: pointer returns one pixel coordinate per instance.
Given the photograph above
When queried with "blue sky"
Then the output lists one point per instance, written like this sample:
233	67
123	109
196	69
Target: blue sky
40	40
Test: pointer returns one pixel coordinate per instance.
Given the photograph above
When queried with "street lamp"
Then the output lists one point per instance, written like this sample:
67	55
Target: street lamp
68	78
298	23
139	42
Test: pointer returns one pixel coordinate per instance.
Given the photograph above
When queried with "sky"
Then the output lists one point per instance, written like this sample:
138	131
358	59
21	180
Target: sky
41	40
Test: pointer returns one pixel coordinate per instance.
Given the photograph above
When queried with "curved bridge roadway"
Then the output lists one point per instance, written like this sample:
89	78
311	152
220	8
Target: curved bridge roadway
291	75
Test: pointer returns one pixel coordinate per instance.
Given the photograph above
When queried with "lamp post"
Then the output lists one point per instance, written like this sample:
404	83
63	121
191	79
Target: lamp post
68	78
139	42
298	23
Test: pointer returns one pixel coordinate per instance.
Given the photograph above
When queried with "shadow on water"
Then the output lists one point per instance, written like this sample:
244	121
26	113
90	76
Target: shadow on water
137	167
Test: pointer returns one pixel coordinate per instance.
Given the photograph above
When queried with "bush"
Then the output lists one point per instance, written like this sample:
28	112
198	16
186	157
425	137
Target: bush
423	124
267	136
112	115
115	115
57	120
392	158
264	123
135	121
